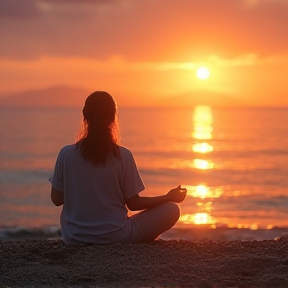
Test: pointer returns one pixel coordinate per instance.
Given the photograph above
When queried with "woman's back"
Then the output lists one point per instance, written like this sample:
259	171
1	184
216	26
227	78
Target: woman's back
94	195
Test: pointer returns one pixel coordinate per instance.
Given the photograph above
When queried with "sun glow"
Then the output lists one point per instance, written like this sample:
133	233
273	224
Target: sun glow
203	73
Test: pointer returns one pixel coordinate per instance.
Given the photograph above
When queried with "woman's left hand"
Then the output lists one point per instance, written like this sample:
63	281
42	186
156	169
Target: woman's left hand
177	194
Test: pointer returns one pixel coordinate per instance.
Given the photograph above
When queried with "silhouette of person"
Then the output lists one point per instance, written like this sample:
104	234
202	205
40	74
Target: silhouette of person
96	179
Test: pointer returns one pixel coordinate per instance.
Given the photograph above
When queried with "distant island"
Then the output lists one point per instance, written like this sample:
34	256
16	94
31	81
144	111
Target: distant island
65	96
58	96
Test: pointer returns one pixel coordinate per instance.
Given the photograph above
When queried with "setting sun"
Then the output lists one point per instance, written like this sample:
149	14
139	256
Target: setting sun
203	73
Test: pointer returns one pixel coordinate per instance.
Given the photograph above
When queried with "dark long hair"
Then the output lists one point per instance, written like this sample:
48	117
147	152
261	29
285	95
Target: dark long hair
97	137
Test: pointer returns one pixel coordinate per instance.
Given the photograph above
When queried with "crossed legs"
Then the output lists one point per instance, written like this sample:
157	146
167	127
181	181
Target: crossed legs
154	221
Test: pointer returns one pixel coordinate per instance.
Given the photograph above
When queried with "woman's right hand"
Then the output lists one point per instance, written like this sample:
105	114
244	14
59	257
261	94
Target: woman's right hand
177	194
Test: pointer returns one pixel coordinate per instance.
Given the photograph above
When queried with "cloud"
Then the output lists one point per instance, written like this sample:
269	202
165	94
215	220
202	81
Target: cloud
85	72
249	60
28	9
19	10
164	30
253	3
241	60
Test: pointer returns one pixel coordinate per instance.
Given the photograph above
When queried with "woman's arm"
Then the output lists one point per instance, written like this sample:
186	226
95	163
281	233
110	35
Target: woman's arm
137	202
57	197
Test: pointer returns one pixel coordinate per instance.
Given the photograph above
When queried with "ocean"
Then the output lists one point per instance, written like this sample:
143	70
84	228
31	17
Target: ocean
233	162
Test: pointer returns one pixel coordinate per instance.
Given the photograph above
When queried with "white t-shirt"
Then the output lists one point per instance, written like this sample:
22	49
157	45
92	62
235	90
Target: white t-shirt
94	208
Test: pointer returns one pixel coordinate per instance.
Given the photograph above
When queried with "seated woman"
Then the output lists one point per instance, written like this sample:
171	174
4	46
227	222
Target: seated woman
96	180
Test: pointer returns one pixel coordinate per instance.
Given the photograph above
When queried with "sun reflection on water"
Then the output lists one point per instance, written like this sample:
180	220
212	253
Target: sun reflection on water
202	130
202	123
253	226
202	147
198	218
203	164
202	119
204	204
202	191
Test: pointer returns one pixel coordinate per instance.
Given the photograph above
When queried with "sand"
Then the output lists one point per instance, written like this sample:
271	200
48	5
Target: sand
49	263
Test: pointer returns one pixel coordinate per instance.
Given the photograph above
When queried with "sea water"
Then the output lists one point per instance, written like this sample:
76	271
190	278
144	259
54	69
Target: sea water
233	162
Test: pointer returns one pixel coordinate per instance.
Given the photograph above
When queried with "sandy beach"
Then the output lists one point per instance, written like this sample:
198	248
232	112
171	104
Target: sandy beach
49	263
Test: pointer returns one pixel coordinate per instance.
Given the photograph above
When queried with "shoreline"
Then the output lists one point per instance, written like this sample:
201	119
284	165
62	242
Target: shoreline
189	233
161	263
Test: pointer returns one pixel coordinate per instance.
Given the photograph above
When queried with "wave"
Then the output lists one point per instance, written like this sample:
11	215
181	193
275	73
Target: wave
20	233
190	233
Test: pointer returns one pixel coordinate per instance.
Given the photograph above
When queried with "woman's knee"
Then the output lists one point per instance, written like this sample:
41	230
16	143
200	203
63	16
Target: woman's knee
173	210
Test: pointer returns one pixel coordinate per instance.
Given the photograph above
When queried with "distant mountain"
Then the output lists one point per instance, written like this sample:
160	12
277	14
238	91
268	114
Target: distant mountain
58	96
61	96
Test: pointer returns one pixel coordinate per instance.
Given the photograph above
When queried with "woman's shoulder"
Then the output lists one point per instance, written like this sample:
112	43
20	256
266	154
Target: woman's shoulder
67	149
124	151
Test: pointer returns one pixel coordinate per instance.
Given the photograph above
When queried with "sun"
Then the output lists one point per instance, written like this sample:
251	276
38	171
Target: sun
203	73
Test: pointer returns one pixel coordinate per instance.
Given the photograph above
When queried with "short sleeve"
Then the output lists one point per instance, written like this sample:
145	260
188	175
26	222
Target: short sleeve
132	182
56	179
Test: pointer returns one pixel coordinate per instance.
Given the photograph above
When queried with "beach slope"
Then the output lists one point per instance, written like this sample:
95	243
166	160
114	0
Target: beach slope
49	263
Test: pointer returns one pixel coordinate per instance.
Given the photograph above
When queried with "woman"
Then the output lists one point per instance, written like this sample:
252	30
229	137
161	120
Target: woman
96	180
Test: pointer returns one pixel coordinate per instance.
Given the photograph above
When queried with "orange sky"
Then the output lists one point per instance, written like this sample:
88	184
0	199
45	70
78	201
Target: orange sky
146	52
